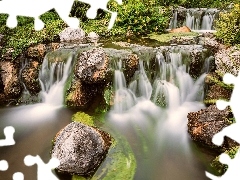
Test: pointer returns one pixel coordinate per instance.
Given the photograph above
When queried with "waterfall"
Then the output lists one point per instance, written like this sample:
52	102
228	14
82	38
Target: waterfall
152	115
197	19
52	77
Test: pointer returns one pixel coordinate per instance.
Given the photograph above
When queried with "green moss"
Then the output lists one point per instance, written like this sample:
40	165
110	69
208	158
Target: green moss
220	83
222	168
83	118
24	35
169	36
119	164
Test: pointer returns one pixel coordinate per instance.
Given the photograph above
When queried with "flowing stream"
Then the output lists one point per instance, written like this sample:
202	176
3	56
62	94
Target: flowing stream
37	124
150	112
158	134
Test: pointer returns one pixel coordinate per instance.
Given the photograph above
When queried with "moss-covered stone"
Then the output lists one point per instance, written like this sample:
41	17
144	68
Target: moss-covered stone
120	163
83	118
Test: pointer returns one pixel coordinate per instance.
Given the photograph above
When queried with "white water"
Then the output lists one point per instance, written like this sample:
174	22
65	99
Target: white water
158	136
52	77
199	20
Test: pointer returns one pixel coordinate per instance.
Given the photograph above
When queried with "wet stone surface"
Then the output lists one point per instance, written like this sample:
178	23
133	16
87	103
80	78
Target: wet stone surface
80	149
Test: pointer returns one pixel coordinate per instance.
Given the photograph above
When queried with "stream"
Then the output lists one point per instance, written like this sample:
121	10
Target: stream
151	113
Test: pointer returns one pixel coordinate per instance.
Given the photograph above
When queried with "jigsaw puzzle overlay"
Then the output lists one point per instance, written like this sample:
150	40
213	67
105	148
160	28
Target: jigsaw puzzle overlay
35	8
231	131
44	171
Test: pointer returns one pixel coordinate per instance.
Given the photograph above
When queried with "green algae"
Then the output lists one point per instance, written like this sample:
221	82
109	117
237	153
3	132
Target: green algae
119	164
83	118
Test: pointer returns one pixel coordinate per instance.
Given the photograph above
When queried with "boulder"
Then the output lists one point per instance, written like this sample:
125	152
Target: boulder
80	149
11	83
72	35
80	95
228	61
202	125
37	51
30	76
181	29
93	38
93	66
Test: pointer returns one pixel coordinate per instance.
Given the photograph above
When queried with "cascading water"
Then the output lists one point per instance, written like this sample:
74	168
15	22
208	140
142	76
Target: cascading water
197	19
53	76
154	122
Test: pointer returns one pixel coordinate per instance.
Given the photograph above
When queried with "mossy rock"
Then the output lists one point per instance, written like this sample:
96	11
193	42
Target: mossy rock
83	118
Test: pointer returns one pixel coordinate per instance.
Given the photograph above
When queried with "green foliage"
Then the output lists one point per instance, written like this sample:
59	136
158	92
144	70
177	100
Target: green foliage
228	26
24	35
140	17
83	118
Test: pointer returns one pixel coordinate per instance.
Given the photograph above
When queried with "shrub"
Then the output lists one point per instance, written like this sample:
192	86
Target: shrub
140	16
228	26
24	35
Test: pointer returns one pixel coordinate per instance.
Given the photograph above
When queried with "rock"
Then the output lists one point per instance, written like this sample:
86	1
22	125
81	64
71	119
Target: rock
202	125
93	66
80	95
228	61
38	51
11	83
72	35
181	29
93	37
80	149
216	92
92	72
30	77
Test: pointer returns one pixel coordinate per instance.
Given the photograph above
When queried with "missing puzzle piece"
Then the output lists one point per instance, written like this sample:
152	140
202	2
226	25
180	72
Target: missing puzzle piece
44	171
8	132
233	172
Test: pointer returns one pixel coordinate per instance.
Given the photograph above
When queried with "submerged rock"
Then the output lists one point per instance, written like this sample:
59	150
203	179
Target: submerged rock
80	149
202	125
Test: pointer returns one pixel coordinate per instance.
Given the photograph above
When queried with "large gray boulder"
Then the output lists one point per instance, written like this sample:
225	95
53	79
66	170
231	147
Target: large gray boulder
80	149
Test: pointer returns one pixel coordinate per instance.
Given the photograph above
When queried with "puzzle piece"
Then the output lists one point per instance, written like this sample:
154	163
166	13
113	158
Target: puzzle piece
233	172
8	132
44	171
35	8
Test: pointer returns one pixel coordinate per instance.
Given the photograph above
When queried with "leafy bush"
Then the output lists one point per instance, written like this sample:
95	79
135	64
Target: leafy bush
228	26
140	16
24	35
